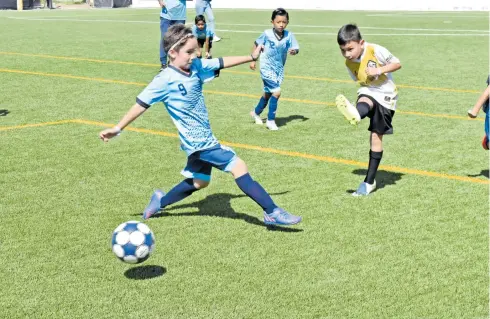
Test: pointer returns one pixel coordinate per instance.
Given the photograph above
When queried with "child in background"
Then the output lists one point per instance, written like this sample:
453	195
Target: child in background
277	42
204	36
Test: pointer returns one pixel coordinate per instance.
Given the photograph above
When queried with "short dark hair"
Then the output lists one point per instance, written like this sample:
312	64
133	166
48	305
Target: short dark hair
198	18
280	12
348	32
177	32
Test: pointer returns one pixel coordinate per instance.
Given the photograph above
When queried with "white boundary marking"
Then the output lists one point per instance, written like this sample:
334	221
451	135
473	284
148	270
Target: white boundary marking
300	33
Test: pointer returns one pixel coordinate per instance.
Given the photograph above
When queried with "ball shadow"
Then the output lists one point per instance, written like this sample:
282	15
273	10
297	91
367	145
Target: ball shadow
145	272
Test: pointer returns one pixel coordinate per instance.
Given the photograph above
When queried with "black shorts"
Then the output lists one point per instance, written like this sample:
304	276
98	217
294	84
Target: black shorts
202	41
380	116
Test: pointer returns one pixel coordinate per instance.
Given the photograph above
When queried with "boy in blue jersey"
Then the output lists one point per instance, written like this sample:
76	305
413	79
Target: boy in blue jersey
277	42
482	102
203	35
173	12
179	87
204	7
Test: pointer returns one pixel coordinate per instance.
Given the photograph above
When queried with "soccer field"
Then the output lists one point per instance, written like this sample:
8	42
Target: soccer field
415	248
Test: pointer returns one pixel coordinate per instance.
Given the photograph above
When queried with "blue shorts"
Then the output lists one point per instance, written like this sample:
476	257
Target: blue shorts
271	86
487	123
200	163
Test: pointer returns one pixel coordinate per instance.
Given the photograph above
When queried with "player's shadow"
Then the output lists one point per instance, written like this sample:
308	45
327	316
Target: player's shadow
283	121
145	272
383	178
4	112
219	205
484	173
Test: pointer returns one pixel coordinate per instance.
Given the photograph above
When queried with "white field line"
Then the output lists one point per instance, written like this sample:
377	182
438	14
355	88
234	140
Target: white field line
299	33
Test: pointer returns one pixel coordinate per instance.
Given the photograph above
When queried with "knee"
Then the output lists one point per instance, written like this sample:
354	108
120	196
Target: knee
200	184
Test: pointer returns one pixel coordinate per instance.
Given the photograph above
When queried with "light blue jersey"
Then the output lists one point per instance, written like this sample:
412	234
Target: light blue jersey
182	95
273	59
174	10
202	34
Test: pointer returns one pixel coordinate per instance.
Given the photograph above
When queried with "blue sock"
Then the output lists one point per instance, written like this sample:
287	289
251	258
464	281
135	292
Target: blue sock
255	192
261	106
272	108
179	192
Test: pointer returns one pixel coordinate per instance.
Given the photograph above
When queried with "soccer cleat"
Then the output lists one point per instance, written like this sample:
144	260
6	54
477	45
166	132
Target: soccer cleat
216	38
271	125
163	67
154	206
348	110
364	189
484	143
280	217
256	118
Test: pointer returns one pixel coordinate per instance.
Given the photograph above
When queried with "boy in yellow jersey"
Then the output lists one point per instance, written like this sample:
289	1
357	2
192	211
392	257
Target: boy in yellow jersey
371	66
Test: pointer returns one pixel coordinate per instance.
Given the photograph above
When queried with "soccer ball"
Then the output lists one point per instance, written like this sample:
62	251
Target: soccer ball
133	242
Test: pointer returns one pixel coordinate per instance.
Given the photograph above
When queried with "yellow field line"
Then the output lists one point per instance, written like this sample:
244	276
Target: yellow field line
15	127
306	156
300	77
268	150
68	76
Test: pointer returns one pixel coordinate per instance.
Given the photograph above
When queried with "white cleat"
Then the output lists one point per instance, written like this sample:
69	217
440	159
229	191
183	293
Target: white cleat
348	110
271	125
256	118
216	38
364	189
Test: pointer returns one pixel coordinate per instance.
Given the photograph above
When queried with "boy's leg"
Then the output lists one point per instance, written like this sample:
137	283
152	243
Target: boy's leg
255	114
347	109
164	25
209	14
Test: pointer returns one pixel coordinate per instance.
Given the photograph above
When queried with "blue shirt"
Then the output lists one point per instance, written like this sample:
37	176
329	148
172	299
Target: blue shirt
174	10
202	34
273	58
182	95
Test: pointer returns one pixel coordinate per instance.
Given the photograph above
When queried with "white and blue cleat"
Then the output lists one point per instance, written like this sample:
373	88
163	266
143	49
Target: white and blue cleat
280	217
364	189
154	206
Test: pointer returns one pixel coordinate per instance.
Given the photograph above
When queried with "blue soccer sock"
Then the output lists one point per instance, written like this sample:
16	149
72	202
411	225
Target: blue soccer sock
261	106
179	192
272	108
256	192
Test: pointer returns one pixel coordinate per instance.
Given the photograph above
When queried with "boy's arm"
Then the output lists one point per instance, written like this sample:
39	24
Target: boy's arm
231	61
162	3
389	62
479	103
134	112
253	63
206	46
294	49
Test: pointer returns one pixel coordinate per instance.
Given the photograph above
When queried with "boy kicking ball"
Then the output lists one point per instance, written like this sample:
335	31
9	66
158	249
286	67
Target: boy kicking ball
371	65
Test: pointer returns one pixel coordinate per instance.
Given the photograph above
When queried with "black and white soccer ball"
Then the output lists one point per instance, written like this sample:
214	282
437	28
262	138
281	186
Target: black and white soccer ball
133	242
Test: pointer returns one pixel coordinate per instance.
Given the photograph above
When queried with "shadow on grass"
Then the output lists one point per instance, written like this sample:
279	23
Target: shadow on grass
483	173
145	272
219	205
383	178
4	112
283	121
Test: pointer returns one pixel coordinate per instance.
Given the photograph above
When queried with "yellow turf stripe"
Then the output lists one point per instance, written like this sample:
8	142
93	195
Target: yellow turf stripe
300	77
307	156
15	127
448	116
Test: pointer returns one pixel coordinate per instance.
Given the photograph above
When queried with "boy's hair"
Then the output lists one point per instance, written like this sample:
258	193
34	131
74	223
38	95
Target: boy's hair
348	32
176	37
280	12
199	18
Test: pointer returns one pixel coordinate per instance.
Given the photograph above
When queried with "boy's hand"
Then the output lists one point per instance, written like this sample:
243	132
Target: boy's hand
207	55
257	51
472	114
109	133
292	51
373	71
252	65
